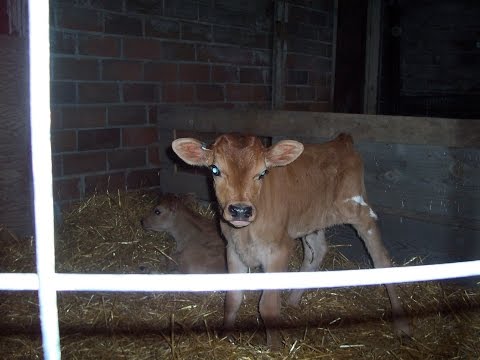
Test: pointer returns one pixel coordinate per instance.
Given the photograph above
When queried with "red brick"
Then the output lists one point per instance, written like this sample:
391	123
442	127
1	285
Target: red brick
63	141
98	139
162	28
122	70
305	93
92	45
158	50
255	76
249	39
153	156
160	71
177	93
143	179
63	43
253	93
98	93
112	5
224	54
323	93
140	136
75	69
224	74
197	32
152	114
262	93
57	165
136	48
236	92
123	25
295	77
111	182
210	93
127	115
83	117
56	118
79	19
66	189
139	92
81	163
63	92
290	93
178	51
194	73
126	158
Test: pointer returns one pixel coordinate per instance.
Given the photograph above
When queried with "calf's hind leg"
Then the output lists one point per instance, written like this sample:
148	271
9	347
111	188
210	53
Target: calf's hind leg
314	250
370	234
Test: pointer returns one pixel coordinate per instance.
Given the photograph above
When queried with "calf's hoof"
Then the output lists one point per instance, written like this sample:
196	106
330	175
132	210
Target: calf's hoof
402	328
274	341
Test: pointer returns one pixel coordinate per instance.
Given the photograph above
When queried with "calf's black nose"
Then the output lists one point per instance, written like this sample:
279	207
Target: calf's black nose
240	211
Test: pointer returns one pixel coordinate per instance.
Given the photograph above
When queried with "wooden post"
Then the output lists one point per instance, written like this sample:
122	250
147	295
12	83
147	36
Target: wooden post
334	55
280	19
372	56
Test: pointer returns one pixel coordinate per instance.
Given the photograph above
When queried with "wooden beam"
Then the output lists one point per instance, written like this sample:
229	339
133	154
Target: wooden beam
364	128
280	19
372	56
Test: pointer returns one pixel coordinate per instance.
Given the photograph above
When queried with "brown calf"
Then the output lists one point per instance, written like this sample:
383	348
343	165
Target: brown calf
270	196
200	249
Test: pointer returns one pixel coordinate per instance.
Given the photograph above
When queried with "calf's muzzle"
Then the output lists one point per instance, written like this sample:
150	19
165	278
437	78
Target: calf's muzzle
240	214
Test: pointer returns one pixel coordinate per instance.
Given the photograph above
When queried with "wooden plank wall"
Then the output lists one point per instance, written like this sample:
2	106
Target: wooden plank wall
15	159
422	174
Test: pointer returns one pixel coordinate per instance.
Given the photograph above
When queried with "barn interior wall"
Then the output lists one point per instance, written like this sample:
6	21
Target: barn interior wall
114	63
431	52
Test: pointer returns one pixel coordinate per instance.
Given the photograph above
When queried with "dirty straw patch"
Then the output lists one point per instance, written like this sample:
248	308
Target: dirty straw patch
103	234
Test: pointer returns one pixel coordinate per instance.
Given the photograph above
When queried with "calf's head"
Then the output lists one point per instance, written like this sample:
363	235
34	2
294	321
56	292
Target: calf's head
239	165
162	217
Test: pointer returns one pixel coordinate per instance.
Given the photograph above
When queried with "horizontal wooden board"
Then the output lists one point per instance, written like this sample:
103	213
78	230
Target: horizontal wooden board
364	128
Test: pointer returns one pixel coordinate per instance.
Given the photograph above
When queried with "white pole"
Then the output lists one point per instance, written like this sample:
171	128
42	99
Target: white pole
42	173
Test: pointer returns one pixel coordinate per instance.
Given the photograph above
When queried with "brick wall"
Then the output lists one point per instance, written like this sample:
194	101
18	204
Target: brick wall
115	61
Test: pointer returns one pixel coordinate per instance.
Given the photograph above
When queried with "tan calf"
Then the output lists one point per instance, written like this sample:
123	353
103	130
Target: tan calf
270	196
200	248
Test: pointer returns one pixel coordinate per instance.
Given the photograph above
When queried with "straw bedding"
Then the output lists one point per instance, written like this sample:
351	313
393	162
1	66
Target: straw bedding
103	234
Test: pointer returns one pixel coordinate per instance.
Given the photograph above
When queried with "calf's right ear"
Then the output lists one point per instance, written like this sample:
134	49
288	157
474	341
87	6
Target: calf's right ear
192	151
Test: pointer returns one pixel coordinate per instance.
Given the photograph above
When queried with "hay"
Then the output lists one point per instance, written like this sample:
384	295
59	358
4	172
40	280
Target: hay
103	234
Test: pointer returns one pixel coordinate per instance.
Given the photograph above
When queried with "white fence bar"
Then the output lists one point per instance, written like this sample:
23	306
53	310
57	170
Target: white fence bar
42	173
255	281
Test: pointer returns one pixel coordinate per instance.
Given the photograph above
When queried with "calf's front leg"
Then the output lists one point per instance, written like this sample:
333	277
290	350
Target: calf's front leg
270	302
233	299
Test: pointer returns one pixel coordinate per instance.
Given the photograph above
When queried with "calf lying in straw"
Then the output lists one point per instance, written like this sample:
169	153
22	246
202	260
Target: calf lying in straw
200	248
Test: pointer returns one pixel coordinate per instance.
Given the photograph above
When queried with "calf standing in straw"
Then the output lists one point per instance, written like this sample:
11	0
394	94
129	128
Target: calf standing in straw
200	248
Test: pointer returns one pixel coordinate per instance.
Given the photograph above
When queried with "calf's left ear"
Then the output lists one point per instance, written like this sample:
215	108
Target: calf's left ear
283	153
192	151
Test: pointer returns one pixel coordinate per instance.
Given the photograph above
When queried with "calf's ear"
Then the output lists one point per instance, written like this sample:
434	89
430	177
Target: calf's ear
192	151
283	153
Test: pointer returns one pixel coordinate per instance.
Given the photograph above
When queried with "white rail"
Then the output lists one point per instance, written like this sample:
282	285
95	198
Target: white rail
47	282
256	281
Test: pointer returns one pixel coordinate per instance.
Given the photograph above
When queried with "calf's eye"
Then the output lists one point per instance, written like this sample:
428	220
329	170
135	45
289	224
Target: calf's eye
262	174
157	212
215	170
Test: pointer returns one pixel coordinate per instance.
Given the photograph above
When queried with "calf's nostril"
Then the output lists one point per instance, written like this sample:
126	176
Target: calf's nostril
240	211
